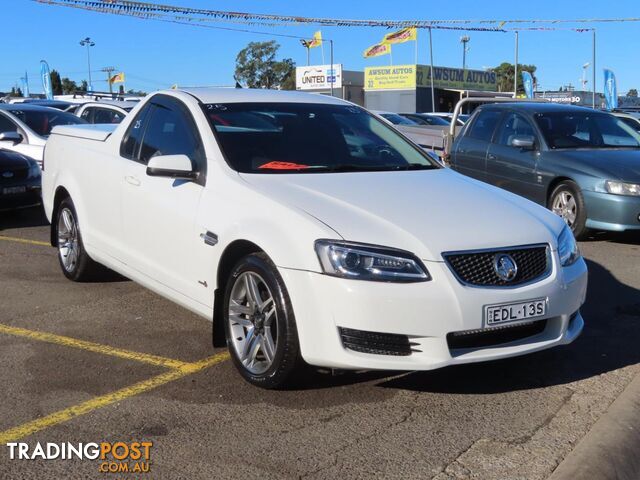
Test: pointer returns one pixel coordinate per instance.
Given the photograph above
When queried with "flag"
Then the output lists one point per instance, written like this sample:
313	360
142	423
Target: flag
117	78
45	73
405	35
527	81
377	50
25	85
610	89
316	41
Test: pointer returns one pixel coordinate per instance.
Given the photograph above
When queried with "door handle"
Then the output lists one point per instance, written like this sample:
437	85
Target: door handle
132	180
491	156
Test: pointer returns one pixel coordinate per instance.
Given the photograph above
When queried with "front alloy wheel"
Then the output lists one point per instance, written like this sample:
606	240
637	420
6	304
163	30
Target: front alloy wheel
566	200
259	323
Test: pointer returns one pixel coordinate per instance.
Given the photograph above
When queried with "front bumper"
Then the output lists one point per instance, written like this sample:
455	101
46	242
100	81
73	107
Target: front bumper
425	312
612	212
31	197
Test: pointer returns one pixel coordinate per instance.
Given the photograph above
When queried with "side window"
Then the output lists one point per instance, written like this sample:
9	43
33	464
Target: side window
512	126
171	131
7	125
131	141
86	114
104	115
484	125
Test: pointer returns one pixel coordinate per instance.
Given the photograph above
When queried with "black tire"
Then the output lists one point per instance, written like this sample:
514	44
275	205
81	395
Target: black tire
571	188
83	269
286	361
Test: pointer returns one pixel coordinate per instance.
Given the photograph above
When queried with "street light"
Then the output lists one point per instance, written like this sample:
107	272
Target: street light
584	76
464	40
87	42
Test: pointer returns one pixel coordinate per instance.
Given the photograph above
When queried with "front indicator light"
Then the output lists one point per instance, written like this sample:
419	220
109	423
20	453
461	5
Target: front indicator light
368	262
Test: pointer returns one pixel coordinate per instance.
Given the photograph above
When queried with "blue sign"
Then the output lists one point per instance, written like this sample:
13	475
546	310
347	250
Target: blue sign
527	81
45	73
610	89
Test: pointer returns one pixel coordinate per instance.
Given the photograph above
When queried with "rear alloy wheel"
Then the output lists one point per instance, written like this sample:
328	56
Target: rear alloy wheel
566	201
259	322
74	260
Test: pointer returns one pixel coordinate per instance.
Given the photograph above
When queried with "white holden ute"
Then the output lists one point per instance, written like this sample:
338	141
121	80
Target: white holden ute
314	232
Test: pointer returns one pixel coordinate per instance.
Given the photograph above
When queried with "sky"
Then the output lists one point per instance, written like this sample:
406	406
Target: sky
155	55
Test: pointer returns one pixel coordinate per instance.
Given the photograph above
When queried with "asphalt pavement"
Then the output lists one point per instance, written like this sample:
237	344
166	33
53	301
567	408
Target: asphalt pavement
111	361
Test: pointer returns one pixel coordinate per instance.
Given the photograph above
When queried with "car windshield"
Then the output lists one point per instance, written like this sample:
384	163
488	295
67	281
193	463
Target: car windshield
41	121
430	120
398	119
310	138
586	130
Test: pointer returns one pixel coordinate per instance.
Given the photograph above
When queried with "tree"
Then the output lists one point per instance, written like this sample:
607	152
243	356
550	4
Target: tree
16	92
69	86
56	83
256	65
84	86
505	73
632	93
139	93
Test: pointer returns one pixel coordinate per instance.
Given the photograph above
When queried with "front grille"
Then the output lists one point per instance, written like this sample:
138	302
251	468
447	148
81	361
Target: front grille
376	343
18	174
477	269
493	336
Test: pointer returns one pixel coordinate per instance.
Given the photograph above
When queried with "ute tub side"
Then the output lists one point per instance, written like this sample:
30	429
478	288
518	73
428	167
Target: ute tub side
97	132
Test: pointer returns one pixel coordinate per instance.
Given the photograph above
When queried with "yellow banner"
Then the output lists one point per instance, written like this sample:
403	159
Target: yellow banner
316	41
387	78
117	78
377	50
405	35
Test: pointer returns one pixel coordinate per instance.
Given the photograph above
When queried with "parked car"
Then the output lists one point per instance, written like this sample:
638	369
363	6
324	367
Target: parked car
24	127
426	119
103	112
250	208
582	164
19	181
448	116
428	137
57	104
632	120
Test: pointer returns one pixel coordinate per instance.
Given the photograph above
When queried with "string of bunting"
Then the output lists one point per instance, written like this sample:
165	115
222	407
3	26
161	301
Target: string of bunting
145	9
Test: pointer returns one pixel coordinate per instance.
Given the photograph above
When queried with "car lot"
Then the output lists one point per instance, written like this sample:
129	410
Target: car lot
113	362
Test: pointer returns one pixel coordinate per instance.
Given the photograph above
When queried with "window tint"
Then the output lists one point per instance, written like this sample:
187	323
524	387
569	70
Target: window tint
86	114
484	124
632	122
514	125
274	138
107	115
7	125
133	137
42	120
170	131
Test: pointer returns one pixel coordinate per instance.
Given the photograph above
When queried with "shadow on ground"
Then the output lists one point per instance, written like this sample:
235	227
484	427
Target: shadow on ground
23	218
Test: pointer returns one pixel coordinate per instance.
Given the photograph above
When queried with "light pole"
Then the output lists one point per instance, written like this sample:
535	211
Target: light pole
464	40
584	76
87	42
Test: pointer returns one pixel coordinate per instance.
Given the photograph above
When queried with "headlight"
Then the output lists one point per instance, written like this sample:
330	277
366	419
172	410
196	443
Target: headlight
365	262
34	171
567	248
621	188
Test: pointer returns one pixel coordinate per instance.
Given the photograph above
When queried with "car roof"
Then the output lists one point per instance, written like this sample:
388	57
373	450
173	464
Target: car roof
255	95
111	103
13	107
536	107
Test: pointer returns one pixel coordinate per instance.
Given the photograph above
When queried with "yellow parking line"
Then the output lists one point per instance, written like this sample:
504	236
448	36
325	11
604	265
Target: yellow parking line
29	428
93	347
24	240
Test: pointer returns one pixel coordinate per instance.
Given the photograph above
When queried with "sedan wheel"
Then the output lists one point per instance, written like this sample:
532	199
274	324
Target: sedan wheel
67	240
564	204
566	201
260	325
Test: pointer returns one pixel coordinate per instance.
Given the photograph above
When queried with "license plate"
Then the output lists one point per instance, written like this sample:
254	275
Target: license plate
13	190
512	312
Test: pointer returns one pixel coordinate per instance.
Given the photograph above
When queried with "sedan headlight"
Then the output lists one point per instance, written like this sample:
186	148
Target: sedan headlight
366	262
622	188
567	248
34	171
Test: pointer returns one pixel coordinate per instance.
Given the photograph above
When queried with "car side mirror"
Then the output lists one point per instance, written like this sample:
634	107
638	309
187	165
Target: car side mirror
172	166
525	142
13	137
